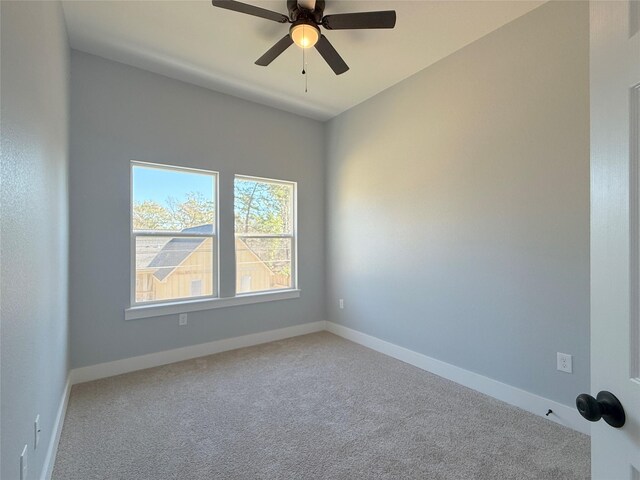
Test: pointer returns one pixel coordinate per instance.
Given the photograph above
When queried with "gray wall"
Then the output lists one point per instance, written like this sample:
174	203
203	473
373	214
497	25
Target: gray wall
120	113
33	244
458	206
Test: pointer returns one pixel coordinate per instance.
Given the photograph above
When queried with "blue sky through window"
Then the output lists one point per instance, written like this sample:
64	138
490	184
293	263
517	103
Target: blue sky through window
156	184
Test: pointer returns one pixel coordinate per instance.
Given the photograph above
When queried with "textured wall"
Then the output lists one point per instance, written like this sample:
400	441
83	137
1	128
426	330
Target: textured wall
33	244
120	113
458	206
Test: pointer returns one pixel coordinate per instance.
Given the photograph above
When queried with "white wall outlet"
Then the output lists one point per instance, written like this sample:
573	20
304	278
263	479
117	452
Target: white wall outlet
182	319
36	432
341	303
23	463
565	362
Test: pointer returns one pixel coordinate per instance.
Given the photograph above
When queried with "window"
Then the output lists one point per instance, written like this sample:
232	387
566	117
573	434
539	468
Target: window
173	233
265	234
196	288
175	249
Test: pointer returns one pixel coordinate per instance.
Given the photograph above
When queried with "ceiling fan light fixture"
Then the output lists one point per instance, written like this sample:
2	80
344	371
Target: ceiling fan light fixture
305	35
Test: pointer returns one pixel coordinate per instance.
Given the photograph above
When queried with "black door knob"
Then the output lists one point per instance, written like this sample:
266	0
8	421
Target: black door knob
605	406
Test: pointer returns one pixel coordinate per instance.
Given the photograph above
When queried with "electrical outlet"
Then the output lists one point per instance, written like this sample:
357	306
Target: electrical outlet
36	432
182	319
565	362
341	303
23	463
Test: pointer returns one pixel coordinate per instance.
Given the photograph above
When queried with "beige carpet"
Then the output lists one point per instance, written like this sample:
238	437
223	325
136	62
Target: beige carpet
311	407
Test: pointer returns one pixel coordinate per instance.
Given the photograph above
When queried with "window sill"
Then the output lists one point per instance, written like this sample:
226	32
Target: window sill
145	311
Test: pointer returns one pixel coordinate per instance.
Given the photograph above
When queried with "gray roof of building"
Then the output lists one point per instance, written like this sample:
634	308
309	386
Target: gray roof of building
176	251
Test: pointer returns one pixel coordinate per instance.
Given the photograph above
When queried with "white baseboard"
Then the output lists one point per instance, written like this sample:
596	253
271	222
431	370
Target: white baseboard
117	367
530	402
50	459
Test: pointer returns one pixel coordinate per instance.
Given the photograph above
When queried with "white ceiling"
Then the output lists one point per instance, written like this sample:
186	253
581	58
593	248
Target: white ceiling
215	48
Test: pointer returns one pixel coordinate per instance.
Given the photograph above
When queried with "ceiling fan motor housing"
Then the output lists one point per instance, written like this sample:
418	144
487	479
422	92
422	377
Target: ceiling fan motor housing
297	12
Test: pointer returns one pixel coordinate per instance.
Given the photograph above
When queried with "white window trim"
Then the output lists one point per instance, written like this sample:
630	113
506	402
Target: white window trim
215	266
174	308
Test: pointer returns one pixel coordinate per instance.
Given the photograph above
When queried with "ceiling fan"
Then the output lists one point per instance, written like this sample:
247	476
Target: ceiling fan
306	17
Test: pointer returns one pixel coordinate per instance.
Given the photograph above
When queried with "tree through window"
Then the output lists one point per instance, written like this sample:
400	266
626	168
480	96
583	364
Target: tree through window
265	234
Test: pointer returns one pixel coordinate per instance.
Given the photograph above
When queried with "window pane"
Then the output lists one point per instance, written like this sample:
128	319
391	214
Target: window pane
173	200
170	268
263	207
263	264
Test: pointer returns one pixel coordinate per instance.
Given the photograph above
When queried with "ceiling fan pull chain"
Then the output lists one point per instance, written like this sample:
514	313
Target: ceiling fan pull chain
304	72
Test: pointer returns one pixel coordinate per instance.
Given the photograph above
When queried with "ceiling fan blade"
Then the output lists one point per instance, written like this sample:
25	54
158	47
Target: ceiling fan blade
250	10
330	56
345	21
274	51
